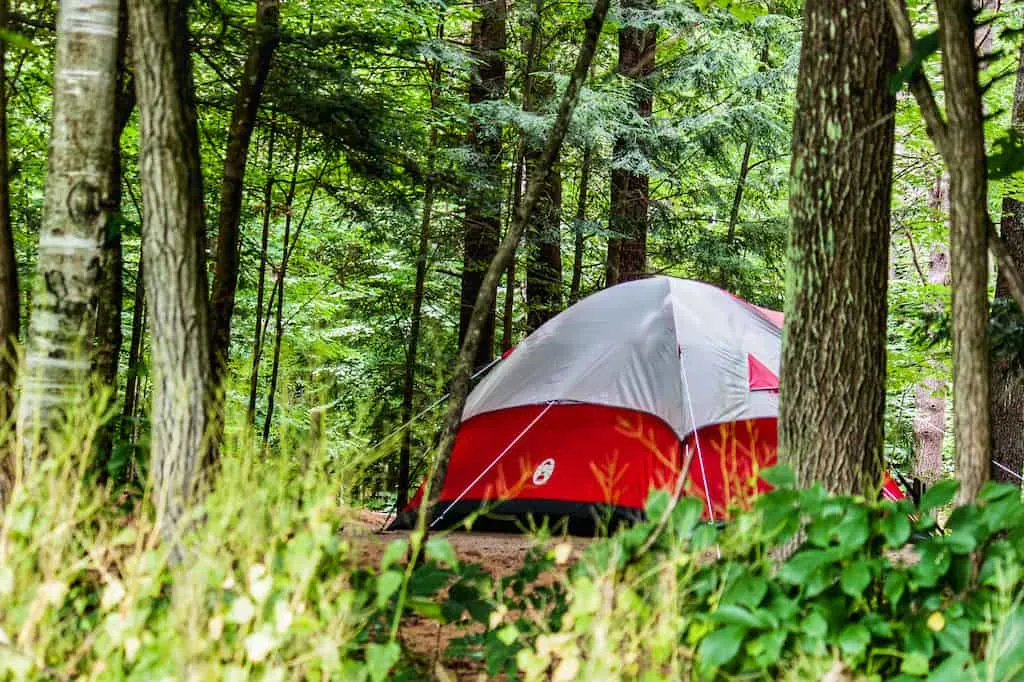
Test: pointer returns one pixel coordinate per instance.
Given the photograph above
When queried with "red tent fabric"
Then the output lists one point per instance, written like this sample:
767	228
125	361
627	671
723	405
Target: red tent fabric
609	400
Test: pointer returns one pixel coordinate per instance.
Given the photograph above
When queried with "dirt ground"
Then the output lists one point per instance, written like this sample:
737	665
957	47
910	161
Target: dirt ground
500	553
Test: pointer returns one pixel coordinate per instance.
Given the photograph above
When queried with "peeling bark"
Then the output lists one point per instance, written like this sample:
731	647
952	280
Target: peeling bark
830	426
75	218
173	247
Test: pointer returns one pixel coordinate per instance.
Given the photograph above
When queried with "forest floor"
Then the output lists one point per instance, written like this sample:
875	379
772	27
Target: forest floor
499	553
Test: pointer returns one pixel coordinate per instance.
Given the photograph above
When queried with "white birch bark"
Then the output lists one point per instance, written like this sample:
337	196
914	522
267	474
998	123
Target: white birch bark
75	214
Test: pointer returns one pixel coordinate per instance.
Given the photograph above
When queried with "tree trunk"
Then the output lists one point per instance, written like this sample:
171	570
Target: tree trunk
482	223
282	272
581	217
10	313
833	356
76	212
930	394
243	120
107	336
544	257
174	251
485	299
261	283
1007	376
630	192
131	388
966	160
409	386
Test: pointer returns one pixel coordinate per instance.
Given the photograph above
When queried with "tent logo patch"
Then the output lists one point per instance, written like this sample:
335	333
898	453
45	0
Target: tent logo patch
542	474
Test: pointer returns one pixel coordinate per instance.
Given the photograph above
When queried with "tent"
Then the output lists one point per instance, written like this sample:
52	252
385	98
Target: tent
610	399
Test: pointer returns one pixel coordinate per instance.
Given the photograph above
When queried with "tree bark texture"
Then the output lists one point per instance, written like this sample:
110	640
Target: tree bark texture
10	312
630	192
1007	389
833	358
968	212
485	299
579	243
173	249
243	121
76	213
261	281
482	222
107	337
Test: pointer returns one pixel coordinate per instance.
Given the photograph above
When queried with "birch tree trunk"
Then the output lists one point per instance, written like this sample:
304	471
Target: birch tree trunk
968	212
75	215
243	120
173	246
834	349
488	290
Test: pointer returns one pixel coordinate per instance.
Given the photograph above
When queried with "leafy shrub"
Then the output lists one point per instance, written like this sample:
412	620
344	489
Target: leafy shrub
686	599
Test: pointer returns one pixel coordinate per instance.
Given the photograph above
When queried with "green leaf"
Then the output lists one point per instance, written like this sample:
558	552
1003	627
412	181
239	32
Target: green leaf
914	664
924	47
387	583
800	567
396	549
380	658
855	578
748	590
779	476
732	614
938	495
952	670
657	502
441	551
895	584
895	527
854	639
720	646
767	648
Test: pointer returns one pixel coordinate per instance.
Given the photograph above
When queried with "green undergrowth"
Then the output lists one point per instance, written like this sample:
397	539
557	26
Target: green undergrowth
273	586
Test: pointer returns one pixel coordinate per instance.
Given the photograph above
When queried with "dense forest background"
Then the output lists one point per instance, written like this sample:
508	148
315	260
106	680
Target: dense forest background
366	149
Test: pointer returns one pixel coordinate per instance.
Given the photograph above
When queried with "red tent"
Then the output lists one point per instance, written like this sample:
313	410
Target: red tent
611	399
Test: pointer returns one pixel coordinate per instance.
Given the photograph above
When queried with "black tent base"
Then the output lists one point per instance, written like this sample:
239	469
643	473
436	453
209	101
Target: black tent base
525	516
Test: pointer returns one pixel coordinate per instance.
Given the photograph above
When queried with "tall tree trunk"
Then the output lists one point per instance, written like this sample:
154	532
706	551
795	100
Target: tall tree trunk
482	223
485	299
581	216
243	120
75	216
107	335
630	192
966	159
409	386
10	313
131	387
930	394
174	251
282	273
833	356
1007	376
261	283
